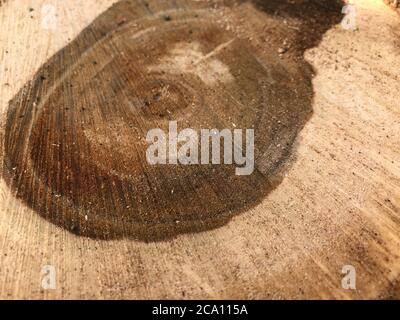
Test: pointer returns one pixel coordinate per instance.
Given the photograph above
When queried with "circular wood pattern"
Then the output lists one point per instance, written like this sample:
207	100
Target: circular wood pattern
75	141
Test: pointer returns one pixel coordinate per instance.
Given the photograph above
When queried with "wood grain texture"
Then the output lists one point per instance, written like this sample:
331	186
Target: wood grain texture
75	140
337	204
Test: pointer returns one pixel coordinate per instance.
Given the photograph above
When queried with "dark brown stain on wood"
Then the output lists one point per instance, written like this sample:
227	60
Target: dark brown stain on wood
393	3
75	138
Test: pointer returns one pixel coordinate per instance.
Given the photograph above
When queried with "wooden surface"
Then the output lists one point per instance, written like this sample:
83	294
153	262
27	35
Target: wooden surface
75	144
337	204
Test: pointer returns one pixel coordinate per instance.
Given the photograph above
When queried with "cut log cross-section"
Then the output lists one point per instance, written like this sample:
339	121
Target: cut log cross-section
75	140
